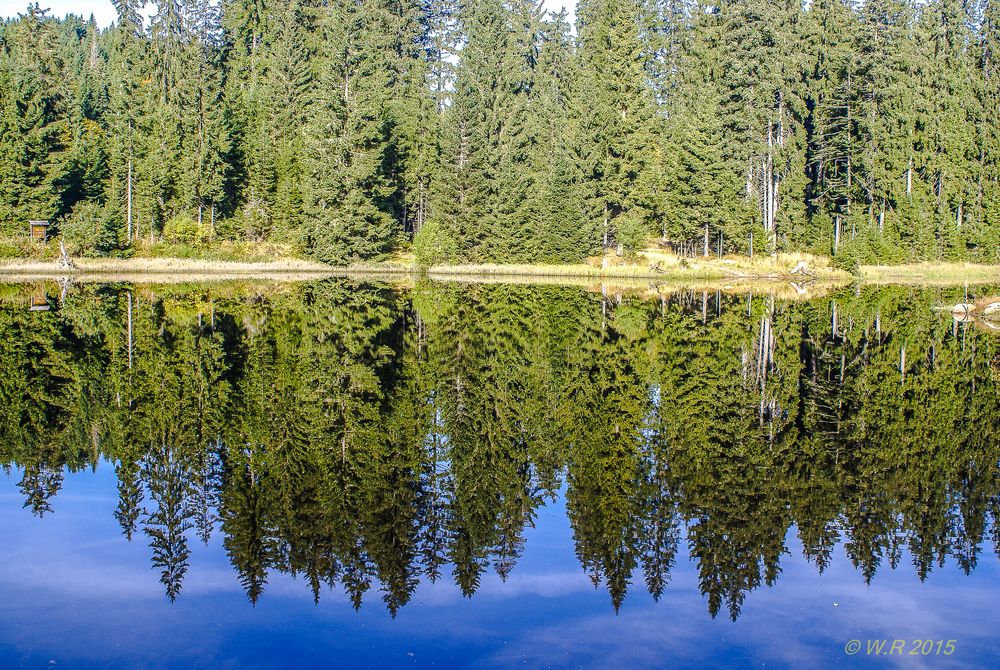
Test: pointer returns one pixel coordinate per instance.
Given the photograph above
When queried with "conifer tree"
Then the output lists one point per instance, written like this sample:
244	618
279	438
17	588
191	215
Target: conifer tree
559	231
948	129
469	198
833	82
866	130
699	199
988	132
349	203
205	136
884	120
614	105
34	132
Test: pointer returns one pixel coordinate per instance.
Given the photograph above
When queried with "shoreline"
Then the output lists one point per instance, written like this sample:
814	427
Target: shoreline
782	269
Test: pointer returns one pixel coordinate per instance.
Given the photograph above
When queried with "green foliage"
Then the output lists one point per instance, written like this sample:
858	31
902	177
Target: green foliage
365	438
91	230
185	229
632	232
433	245
341	128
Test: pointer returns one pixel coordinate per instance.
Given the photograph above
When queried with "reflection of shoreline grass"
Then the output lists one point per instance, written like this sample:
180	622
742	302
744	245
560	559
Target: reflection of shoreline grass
656	288
930	273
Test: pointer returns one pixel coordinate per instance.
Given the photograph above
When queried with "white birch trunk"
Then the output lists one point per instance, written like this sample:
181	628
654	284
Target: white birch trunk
606	224
128	201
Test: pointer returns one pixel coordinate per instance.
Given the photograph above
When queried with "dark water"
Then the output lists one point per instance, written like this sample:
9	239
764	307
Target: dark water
345	474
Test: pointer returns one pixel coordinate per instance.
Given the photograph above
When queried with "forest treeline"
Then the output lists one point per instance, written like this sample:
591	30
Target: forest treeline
368	439
490	130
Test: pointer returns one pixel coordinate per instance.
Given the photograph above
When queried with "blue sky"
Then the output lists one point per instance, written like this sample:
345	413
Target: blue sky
104	12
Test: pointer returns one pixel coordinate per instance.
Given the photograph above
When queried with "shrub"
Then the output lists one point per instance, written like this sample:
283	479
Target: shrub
433	245
185	229
251	222
10	249
631	232
91	229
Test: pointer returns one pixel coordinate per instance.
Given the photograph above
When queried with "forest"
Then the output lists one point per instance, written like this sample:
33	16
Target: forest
494	131
367	439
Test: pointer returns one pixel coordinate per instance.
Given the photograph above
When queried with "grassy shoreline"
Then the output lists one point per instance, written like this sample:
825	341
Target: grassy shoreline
650	266
156	266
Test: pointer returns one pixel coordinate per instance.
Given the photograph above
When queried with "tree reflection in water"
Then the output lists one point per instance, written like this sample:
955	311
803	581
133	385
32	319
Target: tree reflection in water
367	437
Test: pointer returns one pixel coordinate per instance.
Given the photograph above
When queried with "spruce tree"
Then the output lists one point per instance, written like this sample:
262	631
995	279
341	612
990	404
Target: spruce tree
987	235
468	200
34	131
614	106
699	196
833	89
884	115
944	130
559	231
205	136
350	190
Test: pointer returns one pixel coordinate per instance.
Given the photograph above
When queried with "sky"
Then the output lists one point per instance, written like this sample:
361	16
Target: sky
104	12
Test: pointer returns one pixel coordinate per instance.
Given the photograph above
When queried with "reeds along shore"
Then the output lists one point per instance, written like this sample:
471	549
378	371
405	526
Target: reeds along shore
648	265
645	265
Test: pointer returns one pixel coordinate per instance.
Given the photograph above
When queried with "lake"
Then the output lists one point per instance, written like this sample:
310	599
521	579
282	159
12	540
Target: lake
348	473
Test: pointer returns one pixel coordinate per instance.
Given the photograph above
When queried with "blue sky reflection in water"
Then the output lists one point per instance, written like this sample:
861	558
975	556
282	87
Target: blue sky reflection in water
75	593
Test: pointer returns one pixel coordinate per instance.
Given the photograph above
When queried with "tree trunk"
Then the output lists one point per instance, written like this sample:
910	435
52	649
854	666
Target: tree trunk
128	201
606	224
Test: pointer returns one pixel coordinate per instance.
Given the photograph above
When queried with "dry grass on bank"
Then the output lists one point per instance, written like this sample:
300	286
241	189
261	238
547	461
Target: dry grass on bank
660	265
651	266
177	266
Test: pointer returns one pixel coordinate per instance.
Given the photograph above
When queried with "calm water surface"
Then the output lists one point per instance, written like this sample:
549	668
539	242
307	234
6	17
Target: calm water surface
346	474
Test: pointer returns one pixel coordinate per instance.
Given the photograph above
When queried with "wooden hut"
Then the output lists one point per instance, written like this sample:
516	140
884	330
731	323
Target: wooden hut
38	230
39	303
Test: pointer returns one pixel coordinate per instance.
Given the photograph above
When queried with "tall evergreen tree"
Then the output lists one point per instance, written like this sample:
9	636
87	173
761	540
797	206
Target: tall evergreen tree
34	131
614	105
866	130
